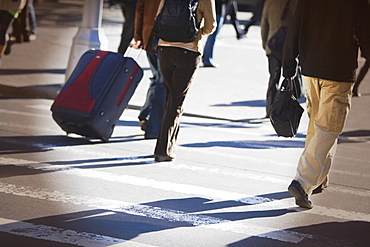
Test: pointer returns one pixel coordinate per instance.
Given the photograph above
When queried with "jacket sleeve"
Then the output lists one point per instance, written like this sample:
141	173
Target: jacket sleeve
291	51
264	27
209	17
139	19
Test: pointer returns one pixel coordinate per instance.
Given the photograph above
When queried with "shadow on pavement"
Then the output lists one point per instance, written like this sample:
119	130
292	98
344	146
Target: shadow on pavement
249	144
31	71
42	143
331	234
129	221
356	136
250	103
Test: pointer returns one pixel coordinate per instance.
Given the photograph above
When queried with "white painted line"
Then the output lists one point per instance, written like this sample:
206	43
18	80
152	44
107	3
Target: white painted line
78	150
22	126
245	174
24	113
45	108
145	182
59	235
155	213
168	186
251	200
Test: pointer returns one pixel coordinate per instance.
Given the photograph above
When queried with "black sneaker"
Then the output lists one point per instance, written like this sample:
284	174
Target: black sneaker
8	48
319	189
161	158
301	198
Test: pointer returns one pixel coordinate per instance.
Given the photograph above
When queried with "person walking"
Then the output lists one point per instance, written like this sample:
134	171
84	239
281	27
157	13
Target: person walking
325	36
9	10
21	26
151	113
207	57
275	15
178	62
32	19
232	11
256	15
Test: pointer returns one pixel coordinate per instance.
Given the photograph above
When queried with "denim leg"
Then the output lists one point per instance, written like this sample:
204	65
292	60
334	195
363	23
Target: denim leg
211	40
158	103
32	17
157	99
147	107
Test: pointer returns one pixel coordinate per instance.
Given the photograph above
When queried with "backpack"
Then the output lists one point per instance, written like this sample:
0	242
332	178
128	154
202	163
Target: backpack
177	21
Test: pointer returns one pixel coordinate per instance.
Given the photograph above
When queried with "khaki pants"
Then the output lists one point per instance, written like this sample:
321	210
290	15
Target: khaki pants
328	104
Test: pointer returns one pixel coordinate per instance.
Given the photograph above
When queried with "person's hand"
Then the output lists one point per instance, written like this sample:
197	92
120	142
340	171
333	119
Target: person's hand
137	44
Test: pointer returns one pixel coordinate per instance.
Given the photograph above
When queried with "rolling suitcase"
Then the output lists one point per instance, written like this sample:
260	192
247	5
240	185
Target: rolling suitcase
96	94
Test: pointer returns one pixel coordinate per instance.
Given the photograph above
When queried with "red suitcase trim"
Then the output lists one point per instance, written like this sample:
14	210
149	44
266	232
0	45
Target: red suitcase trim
118	102
70	98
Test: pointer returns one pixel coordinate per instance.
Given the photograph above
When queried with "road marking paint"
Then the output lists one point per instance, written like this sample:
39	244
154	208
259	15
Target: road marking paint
20	126
45	108
77	150
223	172
144	182
155	213
24	113
260	201
59	235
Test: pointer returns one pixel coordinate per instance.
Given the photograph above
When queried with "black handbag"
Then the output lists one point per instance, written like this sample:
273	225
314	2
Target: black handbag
286	112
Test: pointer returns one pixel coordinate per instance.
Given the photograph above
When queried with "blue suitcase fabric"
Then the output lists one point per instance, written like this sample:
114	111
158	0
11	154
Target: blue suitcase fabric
96	94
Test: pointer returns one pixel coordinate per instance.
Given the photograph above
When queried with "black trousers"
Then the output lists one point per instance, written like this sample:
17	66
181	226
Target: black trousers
6	20
128	10
178	67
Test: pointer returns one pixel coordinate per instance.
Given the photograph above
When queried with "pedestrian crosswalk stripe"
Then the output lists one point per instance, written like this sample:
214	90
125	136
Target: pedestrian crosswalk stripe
261	201
235	156
265	177
155	213
60	235
224	172
27	114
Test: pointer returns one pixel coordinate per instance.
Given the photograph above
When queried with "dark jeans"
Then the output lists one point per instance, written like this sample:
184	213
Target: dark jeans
177	66
273	86
211	40
32	17
257	15
128	10
153	108
232	9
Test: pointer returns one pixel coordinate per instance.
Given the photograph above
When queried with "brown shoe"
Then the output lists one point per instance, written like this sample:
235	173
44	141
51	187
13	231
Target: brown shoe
143	124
